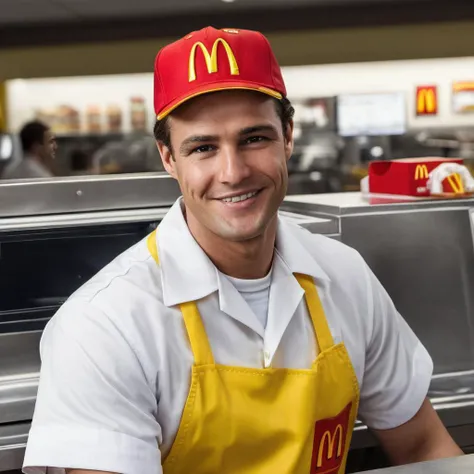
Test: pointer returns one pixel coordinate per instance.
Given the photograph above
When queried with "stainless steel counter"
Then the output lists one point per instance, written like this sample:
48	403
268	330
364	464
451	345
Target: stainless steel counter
66	195
357	203
458	465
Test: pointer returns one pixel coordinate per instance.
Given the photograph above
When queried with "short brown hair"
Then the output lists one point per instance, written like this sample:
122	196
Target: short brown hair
284	110
32	134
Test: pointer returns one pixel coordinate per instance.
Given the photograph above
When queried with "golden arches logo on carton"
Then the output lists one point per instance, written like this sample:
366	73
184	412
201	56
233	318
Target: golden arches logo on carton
421	172
211	58
329	439
456	183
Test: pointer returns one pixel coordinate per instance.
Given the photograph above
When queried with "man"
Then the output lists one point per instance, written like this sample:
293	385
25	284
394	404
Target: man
229	340
39	149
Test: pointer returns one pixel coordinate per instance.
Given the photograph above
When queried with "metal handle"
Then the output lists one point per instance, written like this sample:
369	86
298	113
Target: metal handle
81	219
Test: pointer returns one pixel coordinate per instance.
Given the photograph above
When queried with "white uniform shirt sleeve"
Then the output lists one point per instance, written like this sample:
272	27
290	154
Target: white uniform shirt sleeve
95	407
398	368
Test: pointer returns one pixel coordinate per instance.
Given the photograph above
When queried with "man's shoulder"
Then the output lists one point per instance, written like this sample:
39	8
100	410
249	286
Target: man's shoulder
133	272
13	170
124	297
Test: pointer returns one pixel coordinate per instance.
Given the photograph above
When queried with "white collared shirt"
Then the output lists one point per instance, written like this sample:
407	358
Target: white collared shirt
26	168
116	361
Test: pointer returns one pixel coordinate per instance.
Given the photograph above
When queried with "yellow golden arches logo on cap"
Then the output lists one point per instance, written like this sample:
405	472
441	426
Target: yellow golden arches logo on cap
211	59
331	444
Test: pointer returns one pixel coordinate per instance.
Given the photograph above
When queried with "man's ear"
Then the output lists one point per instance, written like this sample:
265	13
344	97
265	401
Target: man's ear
167	158
36	148
289	140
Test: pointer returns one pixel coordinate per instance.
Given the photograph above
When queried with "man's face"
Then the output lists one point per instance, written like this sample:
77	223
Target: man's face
230	159
48	148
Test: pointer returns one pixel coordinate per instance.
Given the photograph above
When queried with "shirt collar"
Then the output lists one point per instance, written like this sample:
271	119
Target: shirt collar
292	246
188	274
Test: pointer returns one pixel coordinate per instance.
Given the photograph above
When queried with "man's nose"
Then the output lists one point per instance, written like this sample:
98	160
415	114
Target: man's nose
233	167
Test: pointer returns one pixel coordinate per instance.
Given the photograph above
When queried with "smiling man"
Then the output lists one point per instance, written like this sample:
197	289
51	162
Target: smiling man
229	340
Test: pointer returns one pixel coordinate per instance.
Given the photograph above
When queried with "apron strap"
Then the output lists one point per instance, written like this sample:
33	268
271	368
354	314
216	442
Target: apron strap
316	311
197	334
192	319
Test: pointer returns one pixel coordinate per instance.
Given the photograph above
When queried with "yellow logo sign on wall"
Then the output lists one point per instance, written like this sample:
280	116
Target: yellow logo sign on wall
426	100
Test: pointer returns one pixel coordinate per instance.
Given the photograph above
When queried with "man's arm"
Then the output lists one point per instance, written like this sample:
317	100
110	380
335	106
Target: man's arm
397	375
423	438
95	410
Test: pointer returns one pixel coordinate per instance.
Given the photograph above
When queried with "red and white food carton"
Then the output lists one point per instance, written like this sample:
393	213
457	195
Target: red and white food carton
408	176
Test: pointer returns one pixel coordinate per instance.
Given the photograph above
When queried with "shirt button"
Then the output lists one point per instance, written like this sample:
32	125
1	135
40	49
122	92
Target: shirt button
266	356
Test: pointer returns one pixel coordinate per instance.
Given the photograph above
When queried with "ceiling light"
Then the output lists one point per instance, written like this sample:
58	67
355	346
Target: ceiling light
228	1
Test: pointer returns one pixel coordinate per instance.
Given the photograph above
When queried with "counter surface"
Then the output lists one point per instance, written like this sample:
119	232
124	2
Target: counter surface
458	465
71	194
351	203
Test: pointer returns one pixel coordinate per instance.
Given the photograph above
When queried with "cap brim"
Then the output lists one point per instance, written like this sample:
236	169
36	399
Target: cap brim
216	87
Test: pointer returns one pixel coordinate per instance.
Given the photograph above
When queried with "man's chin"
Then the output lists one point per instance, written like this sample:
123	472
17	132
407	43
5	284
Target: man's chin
241	233
239	228
239	238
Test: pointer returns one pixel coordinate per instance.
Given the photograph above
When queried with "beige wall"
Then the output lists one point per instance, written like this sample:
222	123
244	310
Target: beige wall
292	48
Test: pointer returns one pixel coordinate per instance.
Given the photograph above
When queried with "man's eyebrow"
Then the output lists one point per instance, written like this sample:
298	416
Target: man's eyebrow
197	139
258	128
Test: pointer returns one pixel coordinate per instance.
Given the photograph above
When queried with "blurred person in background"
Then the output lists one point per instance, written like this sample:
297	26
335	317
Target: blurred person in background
39	150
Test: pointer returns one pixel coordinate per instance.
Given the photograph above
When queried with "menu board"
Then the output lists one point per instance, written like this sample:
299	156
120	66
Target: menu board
463	97
371	114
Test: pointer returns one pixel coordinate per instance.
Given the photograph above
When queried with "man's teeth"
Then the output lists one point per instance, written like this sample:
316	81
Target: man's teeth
243	197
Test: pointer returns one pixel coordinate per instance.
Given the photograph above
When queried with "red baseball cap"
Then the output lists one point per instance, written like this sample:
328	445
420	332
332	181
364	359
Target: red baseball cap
213	60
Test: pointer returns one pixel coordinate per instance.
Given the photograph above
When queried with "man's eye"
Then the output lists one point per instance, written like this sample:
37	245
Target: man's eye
255	139
203	149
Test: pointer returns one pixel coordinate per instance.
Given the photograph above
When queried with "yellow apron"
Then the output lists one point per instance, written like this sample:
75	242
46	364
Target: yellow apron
265	421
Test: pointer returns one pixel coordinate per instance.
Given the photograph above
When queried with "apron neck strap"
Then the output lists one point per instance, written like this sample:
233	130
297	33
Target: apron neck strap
192	319
316	311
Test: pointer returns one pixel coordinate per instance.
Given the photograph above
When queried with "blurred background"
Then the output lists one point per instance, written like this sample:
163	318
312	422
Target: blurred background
370	80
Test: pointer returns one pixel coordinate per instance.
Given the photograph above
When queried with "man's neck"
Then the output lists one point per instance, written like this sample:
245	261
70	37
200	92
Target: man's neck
33	157
249	259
